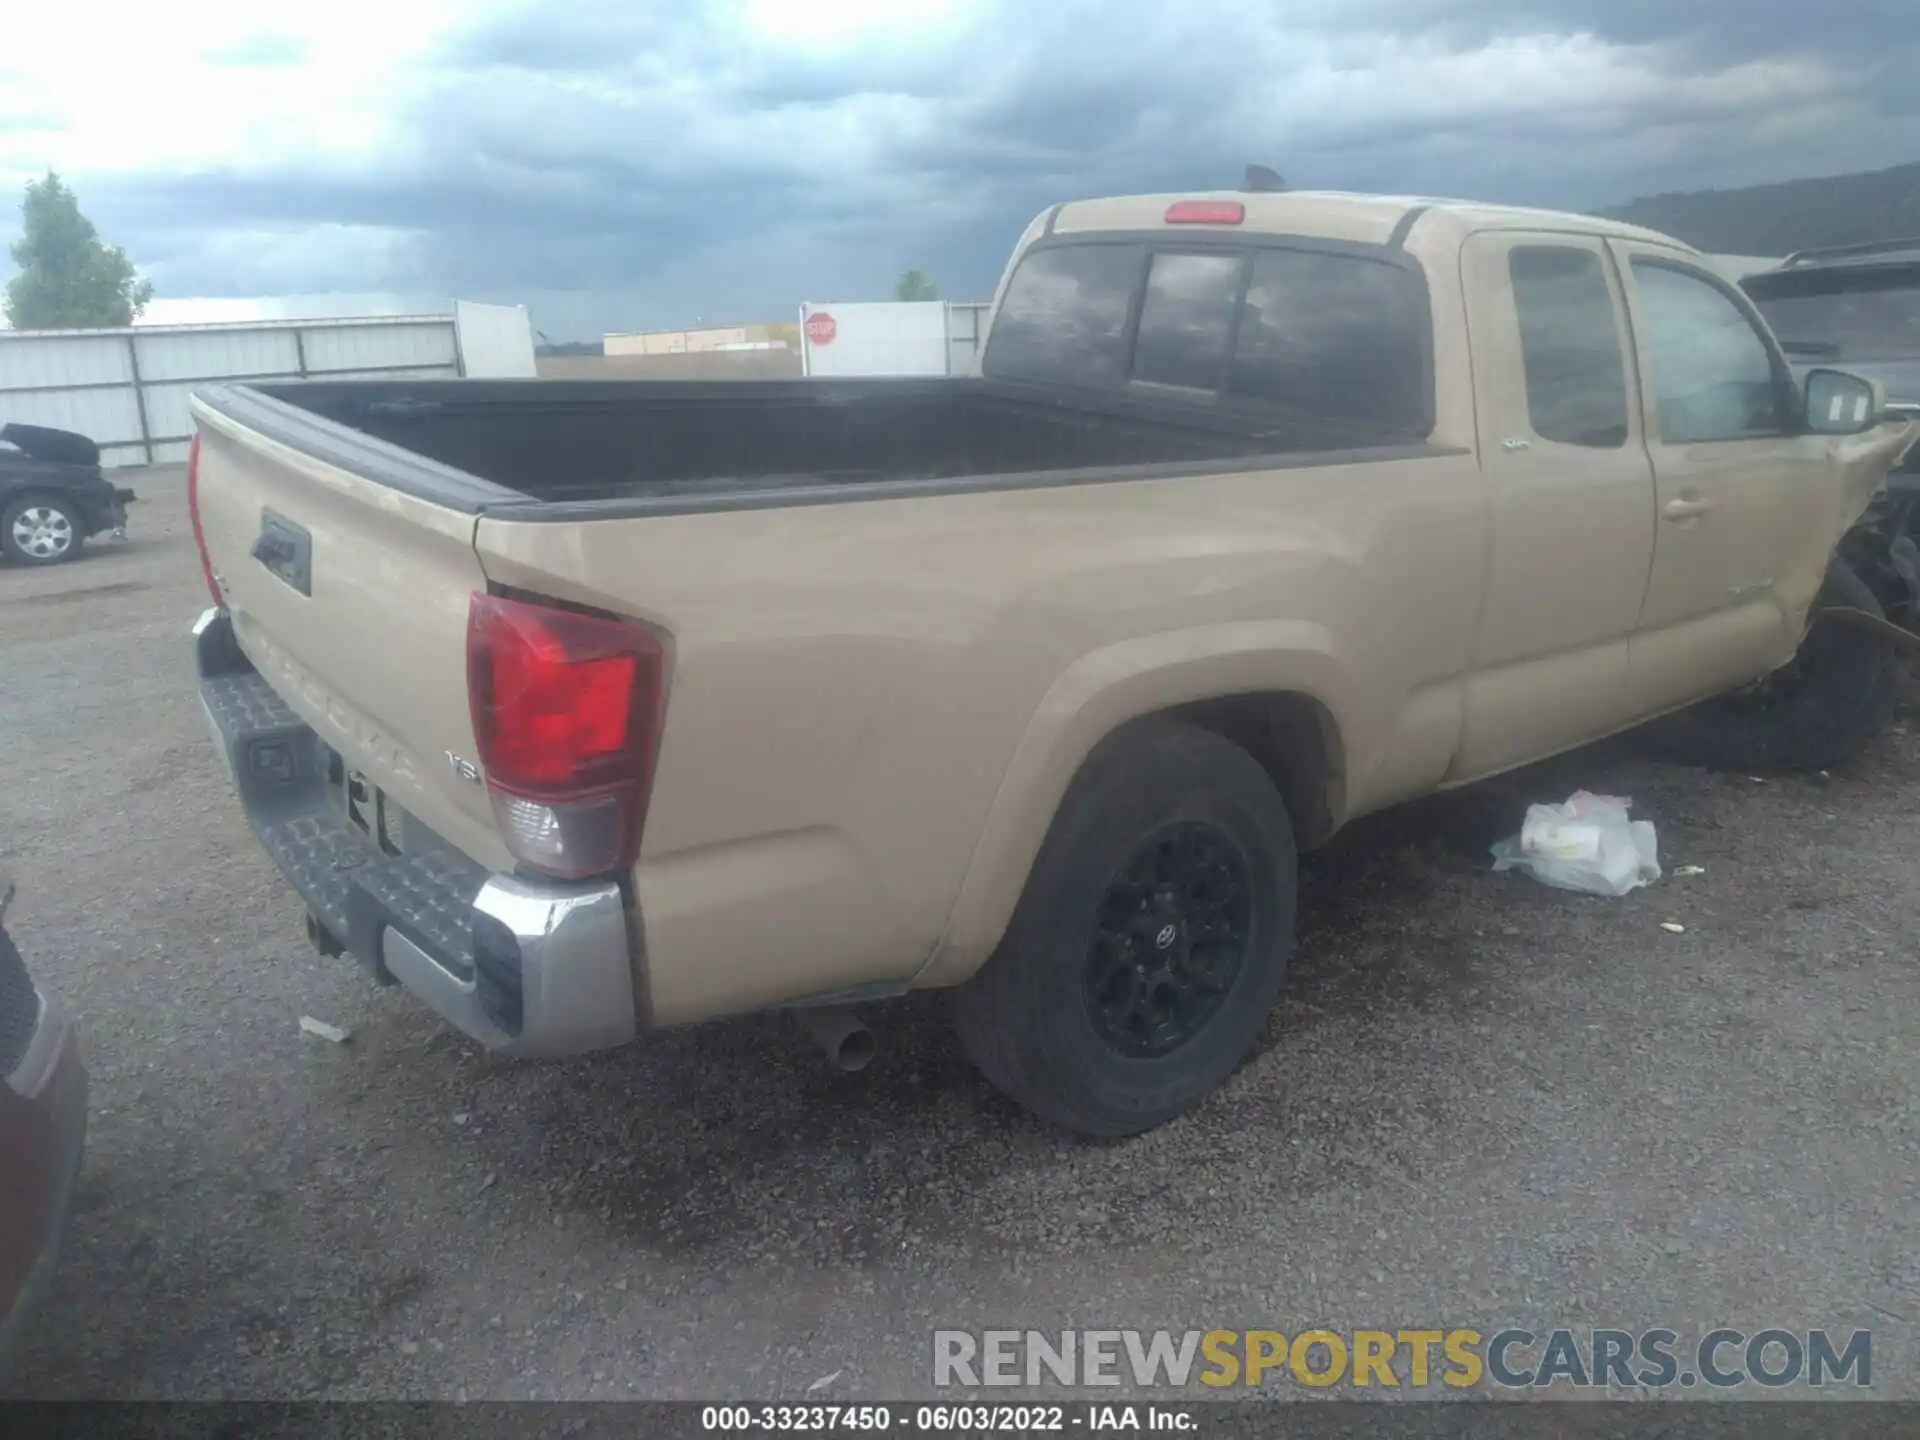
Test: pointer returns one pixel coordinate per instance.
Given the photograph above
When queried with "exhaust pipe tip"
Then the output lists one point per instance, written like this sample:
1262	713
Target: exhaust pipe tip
841	1035
856	1051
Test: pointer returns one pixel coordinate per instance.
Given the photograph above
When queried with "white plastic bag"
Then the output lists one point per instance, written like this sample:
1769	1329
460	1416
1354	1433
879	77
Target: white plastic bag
1587	844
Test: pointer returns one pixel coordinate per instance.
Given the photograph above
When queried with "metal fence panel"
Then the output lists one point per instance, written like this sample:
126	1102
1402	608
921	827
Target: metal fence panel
105	415
189	355
127	390
41	361
167	412
380	347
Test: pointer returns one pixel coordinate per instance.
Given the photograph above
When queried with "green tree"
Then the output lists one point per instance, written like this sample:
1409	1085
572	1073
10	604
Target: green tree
915	285
69	278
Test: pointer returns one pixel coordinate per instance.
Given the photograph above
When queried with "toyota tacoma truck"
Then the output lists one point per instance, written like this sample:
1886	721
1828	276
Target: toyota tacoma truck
580	709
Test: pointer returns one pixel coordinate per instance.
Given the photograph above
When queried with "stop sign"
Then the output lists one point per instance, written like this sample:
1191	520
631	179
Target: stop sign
821	328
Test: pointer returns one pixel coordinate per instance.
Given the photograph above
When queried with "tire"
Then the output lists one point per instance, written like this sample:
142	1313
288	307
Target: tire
42	530
1117	998
1838	695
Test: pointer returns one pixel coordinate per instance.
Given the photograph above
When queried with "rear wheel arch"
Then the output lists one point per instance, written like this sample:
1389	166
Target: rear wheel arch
1293	734
1297	742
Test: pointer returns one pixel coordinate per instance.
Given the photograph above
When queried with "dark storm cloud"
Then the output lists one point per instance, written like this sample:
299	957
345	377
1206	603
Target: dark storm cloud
653	152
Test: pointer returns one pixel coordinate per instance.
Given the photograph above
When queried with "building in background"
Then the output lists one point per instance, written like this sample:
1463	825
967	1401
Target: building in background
700	342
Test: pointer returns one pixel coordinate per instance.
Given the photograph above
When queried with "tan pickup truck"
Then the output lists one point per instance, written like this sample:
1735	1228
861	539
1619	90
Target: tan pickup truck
580	708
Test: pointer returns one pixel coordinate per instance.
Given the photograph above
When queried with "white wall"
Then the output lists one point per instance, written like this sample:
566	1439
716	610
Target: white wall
495	341
127	390
885	338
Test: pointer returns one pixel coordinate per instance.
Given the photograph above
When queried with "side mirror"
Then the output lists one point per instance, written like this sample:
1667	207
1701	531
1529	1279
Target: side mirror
1839	402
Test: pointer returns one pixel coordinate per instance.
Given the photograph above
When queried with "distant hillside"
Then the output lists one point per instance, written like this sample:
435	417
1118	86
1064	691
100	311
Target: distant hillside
567	347
1792	215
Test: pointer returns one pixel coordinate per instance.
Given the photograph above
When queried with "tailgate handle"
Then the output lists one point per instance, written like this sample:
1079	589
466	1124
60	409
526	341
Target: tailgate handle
286	550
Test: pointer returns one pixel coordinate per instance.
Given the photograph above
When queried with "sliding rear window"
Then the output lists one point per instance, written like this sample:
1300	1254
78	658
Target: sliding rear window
1064	318
1334	335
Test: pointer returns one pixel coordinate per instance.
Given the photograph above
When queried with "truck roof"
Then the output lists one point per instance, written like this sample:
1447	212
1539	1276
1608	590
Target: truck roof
1341	215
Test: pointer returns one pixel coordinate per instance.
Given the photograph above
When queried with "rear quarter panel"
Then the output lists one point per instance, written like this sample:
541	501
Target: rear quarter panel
875	706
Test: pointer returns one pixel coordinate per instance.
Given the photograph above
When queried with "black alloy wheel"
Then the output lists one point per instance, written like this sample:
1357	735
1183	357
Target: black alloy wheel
1170	939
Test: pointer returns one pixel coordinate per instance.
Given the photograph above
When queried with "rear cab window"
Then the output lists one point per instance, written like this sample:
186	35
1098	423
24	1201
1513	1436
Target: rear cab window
1338	336
1064	316
1186	320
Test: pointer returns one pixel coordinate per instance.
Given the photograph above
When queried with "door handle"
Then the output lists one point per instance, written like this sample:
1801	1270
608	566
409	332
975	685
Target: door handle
1686	509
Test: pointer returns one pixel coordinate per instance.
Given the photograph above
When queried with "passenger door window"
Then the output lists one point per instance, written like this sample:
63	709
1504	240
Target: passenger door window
1712	373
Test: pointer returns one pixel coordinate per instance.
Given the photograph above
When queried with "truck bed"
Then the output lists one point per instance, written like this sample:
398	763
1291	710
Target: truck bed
657	443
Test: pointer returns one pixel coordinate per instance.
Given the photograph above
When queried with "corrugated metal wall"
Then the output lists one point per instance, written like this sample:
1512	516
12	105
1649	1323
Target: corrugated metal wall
126	390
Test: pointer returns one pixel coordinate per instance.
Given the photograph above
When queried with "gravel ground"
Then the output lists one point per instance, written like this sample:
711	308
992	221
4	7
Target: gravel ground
1482	1102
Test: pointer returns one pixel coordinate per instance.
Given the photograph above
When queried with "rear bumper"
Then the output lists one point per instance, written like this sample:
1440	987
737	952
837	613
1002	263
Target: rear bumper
529	967
43	1128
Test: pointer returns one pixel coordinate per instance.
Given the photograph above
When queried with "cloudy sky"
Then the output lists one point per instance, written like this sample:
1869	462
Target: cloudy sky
625	164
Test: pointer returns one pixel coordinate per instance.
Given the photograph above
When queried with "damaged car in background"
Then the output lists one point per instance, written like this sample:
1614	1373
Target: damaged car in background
53	498
1855	306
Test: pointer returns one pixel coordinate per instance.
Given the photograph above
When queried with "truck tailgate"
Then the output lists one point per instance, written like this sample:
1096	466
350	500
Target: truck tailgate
350	598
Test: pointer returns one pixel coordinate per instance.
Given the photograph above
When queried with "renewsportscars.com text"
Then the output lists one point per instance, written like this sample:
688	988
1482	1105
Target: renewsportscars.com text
1459	1358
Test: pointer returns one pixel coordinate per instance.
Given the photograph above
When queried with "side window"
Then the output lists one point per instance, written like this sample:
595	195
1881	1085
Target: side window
1064	316
1336	337
1712	374
1185	320
1569	346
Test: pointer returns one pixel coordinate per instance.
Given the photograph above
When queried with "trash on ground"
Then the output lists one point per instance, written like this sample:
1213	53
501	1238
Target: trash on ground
1673	927
1679	870
324	1030
1587	844
823	1382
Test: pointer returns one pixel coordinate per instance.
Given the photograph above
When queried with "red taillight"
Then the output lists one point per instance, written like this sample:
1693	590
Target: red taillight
193	514
1206	212
566	711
